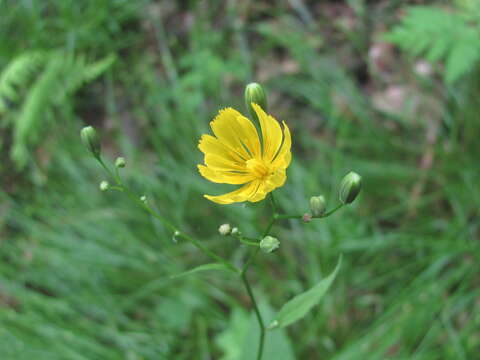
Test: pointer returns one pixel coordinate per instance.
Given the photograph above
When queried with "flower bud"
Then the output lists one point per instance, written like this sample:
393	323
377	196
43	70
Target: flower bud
269	244
318	205
91	140
235	231
143	199
104	185
350	187
225	229
120	162
254	93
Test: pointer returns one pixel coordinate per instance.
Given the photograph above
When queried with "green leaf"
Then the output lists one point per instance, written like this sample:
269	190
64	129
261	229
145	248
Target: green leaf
300	305
204	267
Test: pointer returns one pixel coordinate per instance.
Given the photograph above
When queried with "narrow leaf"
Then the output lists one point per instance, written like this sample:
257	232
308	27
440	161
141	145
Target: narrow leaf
298	307
204	267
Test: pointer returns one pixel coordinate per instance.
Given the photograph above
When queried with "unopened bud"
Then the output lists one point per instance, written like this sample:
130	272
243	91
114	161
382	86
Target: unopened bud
350	187
269	244
143	199
235	231
104	185
254	93
318	205
120	162
225	229
91	140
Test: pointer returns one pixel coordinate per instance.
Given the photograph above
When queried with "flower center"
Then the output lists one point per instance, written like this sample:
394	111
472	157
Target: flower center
258	168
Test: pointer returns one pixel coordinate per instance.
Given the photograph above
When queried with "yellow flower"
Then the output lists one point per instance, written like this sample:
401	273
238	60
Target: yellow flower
235	155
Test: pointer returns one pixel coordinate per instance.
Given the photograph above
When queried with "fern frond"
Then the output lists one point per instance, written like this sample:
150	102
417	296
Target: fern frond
18	73
59	76
35	110
439	35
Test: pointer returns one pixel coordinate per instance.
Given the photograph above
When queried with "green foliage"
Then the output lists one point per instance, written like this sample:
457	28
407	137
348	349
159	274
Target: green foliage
239	340
47	80
86	275
17	73
301	304
201	268
440	35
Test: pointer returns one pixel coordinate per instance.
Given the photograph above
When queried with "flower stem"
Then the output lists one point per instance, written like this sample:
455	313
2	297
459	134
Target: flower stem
257	314
327	214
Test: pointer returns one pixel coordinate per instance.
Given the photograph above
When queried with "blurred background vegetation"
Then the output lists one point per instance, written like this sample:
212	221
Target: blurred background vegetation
387	88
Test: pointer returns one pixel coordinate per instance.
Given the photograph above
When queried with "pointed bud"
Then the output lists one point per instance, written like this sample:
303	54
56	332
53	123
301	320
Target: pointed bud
225	229
318	205
254	93
269	244
350	187
91	140
120	162
104	185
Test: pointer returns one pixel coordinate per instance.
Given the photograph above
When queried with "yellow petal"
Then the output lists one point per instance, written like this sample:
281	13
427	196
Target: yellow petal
284	156
271	133
211	145
236	132
223	177
245	193
216	162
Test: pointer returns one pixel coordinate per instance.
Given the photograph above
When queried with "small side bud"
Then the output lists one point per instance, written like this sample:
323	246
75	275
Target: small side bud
235	231
120	162
318	205
104	185
143	199
225	229
91	140
306	218
269	244
254	93
350	187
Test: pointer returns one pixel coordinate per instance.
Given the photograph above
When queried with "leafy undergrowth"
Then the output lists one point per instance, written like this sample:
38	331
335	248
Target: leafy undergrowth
87	275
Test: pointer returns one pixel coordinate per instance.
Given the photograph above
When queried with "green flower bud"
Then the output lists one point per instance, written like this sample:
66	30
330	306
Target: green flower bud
254	93
104	185
120	162
91	140
225	229
269	244
318	205
350	187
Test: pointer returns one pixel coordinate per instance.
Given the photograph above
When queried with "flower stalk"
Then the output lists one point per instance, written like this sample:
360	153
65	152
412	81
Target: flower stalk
238	155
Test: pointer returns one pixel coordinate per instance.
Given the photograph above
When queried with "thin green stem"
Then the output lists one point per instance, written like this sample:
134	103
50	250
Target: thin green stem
257	314
246	242
207	251
250	260
332	211
164	221
327	214
274	204
283	217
